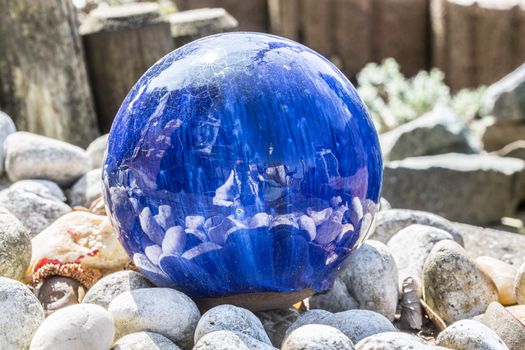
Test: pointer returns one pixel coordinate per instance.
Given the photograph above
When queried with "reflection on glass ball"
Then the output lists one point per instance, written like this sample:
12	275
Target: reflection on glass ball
242	163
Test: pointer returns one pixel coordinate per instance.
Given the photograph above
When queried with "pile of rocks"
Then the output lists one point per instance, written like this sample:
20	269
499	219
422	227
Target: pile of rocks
456	301
421	281
468	172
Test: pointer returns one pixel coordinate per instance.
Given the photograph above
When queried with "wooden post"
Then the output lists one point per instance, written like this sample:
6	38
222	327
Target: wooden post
353	34
453	26
285	17
189	25
318	25
495	46
477	41
251	14
121	44
43	80
401	29
518	34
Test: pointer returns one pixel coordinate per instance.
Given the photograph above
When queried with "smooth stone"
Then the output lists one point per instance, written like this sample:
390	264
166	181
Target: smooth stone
497	134
371	277
253	343
309	317
517	311
276	322
231	318
42	188
318	337
384	205
7	127
514	149
494	183
505	325
144	341
21	314
31	156
96	151
436	132
4	182
57	292
506	246
337	299
86	189
519	285
15	246
81	326
109	287
80	236
359	324
505	99
159	310
503	275
34	211
394	341
410	248
470	335
467	294
390	222
220	340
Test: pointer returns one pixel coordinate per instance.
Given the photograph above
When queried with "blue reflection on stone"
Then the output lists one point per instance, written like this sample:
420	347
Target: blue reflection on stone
242	163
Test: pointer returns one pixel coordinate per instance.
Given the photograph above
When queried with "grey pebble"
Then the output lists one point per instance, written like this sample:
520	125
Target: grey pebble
317	337
109	287
231	318
144	341
15	246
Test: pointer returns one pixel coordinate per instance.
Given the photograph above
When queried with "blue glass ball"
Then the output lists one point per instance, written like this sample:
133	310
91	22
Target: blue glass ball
242	163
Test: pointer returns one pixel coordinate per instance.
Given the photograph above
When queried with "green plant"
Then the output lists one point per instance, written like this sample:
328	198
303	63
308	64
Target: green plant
394	100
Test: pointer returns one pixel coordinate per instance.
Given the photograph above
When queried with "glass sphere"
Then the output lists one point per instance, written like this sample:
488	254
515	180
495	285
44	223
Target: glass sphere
242	163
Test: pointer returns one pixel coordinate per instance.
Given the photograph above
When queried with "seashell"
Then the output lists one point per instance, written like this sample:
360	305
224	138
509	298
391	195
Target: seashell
152	272
174	241
194	222
307	223
319	216
79	237
286	219
197	233
357	213
338	214
150	226
165	217
213	221
219	233
260	220
200	249
153	252
328	231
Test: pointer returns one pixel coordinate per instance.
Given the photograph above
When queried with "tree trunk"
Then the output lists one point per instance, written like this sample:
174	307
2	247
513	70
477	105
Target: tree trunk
121	44
43	80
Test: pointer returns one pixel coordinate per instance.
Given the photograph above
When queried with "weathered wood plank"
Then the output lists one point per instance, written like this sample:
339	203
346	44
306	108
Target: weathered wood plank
44	84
